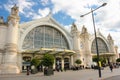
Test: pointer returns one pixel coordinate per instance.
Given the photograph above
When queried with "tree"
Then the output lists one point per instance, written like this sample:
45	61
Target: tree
118	60
101	59
48	60
35	62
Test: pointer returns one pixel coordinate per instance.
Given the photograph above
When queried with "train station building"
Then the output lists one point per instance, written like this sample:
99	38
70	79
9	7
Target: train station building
20	42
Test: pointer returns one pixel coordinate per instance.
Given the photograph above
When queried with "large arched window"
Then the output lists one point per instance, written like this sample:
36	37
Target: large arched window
102	47
45	37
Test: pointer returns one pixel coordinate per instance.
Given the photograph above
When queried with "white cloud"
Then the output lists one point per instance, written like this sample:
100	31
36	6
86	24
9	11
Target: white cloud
23	5
36	16
107	18
25	8
44	2
68	27
44	12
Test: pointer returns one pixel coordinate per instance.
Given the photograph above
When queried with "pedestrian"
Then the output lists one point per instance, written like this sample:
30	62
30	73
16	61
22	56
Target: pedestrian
28	72
111	67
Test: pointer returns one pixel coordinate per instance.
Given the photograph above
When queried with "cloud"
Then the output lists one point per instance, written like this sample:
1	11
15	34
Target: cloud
24	5
44	12
107	18
44	2
25	8
41	13
68	27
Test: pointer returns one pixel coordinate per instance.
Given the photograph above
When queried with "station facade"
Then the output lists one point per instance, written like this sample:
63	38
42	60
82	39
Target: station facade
22	42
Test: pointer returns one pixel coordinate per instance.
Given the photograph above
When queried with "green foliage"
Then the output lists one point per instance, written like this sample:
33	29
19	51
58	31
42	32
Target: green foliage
101	59
48	60
78	61
118	60
35	62
95	59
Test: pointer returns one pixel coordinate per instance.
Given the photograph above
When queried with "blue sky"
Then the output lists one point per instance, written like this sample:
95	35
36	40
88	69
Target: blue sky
35	7
65	12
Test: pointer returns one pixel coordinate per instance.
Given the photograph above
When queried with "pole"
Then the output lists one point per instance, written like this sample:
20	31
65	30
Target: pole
99	70
104	4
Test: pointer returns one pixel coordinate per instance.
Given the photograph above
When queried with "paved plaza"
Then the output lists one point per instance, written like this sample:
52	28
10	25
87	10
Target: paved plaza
86	74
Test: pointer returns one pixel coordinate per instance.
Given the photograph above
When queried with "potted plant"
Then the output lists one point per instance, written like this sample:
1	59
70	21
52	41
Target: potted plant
48	61
34	64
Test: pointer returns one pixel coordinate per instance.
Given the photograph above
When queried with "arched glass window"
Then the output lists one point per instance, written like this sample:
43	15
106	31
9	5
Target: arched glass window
102	47
46	37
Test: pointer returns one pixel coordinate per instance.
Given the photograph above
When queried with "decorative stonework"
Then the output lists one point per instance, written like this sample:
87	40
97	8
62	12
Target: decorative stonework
2	21
11	47
14	10
13	20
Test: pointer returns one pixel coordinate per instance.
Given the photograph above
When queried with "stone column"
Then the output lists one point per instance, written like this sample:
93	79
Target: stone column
71	60
20	61
62	64
54	65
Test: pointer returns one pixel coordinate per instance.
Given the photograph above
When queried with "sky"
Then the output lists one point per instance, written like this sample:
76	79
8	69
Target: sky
65	12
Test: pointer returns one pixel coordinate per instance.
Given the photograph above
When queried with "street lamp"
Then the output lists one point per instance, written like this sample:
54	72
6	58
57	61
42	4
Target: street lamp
99	70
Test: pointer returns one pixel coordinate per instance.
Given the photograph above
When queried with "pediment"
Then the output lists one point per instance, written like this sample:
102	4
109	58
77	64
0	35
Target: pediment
47	19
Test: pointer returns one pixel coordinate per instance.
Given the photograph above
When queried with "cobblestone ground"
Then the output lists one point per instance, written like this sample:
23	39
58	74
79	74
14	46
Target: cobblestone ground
87	74
114	78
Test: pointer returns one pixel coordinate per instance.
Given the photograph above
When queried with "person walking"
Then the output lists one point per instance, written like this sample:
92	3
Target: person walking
28	70
111	67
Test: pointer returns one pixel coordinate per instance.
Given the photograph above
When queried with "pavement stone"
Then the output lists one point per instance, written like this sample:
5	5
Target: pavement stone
86	74
114	78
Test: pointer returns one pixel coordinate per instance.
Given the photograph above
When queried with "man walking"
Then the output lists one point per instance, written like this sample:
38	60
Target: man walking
111	67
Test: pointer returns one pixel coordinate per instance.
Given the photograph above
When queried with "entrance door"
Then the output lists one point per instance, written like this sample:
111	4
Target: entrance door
66	63
26	63
58	64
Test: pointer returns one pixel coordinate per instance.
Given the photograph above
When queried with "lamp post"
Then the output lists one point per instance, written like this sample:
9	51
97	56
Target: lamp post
99	70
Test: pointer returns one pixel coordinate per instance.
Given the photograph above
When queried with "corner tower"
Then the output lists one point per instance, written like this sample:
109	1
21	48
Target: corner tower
76	41
85	48
10	61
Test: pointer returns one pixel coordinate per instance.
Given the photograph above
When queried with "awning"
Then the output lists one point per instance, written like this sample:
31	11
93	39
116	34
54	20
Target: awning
55	51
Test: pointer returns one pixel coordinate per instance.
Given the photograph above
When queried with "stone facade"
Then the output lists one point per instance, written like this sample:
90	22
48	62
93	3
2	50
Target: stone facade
18	41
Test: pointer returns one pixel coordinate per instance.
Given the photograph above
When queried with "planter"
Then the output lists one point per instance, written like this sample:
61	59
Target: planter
48	72
34	71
